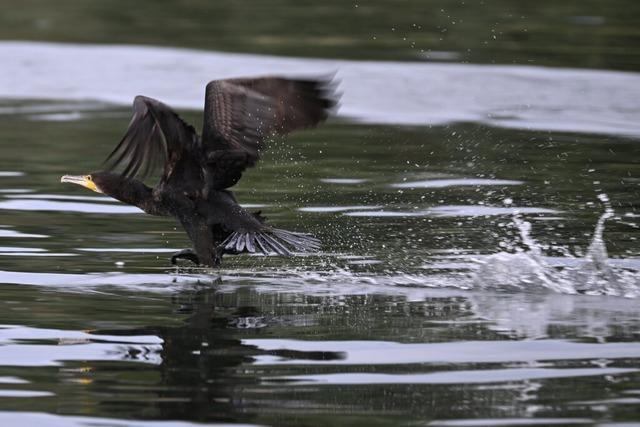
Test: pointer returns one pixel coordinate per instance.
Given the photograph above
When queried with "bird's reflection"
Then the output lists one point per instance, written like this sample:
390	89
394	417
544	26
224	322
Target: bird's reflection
205	367
200	360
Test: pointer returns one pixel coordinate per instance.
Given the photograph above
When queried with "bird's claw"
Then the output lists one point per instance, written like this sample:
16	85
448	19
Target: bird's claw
187	254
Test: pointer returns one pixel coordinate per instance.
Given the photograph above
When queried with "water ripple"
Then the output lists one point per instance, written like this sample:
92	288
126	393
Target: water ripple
54	206
26	346
462	182
452	377
393	353
453	211
17	418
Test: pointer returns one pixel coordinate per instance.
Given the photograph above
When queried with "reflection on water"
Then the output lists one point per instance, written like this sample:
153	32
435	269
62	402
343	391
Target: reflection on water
23	346
32	418
56	206
214	353
441	183
405	93
457	377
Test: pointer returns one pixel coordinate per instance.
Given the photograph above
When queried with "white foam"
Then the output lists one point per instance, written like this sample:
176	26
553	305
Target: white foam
594	274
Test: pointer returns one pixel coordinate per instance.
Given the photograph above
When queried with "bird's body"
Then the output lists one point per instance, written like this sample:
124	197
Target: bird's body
198	170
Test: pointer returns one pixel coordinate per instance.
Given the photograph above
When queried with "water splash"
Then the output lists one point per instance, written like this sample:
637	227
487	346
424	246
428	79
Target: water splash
595	275
522	270
529	269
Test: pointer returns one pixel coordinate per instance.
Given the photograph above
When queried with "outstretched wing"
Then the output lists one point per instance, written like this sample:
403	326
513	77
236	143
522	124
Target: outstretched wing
239	114
156	135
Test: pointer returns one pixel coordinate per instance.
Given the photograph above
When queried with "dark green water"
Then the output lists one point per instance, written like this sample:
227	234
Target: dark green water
429	304
581	33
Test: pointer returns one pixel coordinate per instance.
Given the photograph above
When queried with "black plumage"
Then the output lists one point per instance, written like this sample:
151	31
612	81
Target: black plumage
197	171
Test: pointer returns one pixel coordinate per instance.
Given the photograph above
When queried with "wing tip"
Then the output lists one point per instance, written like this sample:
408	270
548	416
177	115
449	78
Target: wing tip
324	92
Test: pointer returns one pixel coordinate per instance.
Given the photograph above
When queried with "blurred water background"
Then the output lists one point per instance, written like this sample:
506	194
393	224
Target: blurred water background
477	196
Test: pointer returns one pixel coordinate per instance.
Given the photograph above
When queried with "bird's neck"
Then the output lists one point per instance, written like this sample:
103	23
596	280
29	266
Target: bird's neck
134	192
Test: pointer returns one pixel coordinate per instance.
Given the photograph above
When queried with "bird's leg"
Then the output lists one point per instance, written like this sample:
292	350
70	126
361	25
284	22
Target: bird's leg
213	258
219	251
185	254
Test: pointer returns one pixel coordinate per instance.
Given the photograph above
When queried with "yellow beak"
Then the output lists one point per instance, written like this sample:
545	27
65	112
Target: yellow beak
83	180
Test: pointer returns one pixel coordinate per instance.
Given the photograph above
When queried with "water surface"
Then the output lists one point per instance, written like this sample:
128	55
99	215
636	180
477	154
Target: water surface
480	227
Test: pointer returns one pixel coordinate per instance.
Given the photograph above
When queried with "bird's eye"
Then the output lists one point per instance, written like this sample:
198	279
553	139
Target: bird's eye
89	178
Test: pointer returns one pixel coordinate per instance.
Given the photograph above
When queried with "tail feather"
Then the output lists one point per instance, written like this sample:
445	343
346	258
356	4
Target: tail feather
271	240
263	246
276	245
240	243
248	242
231	242
296	240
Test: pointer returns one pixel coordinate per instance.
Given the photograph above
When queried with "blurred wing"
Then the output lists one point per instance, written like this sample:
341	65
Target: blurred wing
156	135
241	113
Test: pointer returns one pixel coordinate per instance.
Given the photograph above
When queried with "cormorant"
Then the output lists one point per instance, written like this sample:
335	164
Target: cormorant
239	115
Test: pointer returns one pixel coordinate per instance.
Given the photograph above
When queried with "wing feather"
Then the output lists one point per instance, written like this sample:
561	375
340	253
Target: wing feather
240	114
156	135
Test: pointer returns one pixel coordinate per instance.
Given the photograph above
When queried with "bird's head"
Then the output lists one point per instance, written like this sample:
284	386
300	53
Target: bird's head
100	182
127	190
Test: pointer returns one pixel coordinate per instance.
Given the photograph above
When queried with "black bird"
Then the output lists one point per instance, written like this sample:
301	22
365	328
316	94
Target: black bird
239	115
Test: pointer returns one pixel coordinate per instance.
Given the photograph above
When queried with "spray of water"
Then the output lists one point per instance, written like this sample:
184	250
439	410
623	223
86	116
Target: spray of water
528	268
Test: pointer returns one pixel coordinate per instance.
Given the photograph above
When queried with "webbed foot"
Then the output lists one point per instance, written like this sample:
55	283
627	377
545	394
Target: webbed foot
187	254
